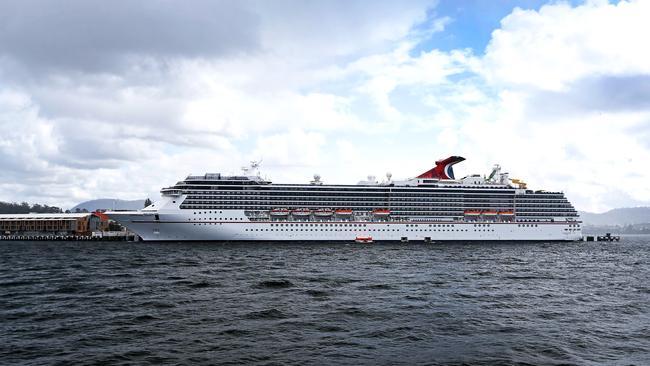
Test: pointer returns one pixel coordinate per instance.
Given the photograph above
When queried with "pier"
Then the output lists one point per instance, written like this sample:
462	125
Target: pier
606	237
86	226
113	237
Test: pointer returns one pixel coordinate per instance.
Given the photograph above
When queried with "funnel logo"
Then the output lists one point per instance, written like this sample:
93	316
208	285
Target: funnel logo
443	169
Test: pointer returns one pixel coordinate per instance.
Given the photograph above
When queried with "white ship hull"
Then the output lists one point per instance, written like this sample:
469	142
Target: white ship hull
235	226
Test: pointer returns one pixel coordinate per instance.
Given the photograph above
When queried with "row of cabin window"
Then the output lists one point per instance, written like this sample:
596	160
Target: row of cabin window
216	218
363	198
425	213
353	225
454	198
374	230
394	207
369	203
455	208
520	212
357	192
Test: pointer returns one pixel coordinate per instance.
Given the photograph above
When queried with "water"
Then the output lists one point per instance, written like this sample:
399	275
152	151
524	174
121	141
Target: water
284	304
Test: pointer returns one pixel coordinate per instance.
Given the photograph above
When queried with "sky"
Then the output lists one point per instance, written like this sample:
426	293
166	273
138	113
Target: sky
121	98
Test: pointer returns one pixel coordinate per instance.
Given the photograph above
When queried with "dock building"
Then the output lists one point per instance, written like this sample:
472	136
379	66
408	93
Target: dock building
49	224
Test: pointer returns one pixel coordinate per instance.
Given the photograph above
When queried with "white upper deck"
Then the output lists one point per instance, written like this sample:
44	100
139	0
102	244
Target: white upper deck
440	176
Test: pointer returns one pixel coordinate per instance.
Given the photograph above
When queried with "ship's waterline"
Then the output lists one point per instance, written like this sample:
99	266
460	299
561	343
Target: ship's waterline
434	206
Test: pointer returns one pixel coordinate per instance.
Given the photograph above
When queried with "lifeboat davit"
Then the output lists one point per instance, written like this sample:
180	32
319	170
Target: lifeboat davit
301	212
344	212
363	239
381	212
323	212
279	212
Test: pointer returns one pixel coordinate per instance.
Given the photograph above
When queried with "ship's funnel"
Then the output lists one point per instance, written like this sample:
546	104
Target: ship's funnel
443	169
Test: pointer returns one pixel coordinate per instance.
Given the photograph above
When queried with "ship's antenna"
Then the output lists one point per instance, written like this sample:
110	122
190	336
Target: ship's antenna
255	166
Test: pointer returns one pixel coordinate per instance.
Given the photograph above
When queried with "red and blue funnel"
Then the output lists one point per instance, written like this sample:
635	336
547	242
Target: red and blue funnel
443	169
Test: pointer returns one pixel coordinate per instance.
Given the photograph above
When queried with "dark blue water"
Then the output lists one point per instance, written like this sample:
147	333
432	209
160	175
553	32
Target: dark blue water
283	304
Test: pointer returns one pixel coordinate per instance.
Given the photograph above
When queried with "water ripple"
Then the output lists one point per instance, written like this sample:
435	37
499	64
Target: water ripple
293	304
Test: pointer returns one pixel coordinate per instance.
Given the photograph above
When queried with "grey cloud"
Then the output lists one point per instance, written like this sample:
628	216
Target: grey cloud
95	35
111	80
338	27
126	121
595	94
97	102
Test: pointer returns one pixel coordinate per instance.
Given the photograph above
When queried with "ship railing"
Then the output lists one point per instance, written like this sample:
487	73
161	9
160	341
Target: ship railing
171	192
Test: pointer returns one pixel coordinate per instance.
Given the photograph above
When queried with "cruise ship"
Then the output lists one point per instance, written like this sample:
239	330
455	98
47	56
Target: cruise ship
432	207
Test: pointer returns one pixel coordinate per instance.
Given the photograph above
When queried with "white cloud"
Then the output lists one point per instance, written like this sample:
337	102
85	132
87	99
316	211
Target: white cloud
147	114
559	98
562	71
545	100
559	44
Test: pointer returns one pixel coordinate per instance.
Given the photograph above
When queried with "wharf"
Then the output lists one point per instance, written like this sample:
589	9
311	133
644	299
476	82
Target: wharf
130	237
606	237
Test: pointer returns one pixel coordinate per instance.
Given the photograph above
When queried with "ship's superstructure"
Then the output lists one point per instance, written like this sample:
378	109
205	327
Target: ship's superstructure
434	206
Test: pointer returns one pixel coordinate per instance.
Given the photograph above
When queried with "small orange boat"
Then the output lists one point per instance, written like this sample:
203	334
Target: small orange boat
301	212
381	212
363	239
472	213
280	212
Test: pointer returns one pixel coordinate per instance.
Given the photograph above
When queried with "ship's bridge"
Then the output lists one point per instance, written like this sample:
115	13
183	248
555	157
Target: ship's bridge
251	174
217	177
171	192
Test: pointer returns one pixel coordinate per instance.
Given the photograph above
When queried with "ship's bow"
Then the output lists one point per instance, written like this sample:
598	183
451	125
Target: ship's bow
135	221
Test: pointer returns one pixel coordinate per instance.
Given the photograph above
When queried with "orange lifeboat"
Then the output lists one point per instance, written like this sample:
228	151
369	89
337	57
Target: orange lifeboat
279	212
489	213
301	212
381	212
472	213
363	239
344	212
506	213
323	212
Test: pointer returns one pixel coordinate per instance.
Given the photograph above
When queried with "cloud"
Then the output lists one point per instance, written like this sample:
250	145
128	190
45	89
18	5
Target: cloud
553	99
596	94
93	36
337	29
549	48
118	99
574	77
128	97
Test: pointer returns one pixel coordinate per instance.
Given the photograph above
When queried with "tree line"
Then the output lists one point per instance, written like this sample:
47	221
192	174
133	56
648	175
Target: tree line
24	207
618	229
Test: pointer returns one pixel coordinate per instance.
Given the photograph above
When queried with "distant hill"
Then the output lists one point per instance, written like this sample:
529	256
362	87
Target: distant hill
109	204
617	216
617	229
